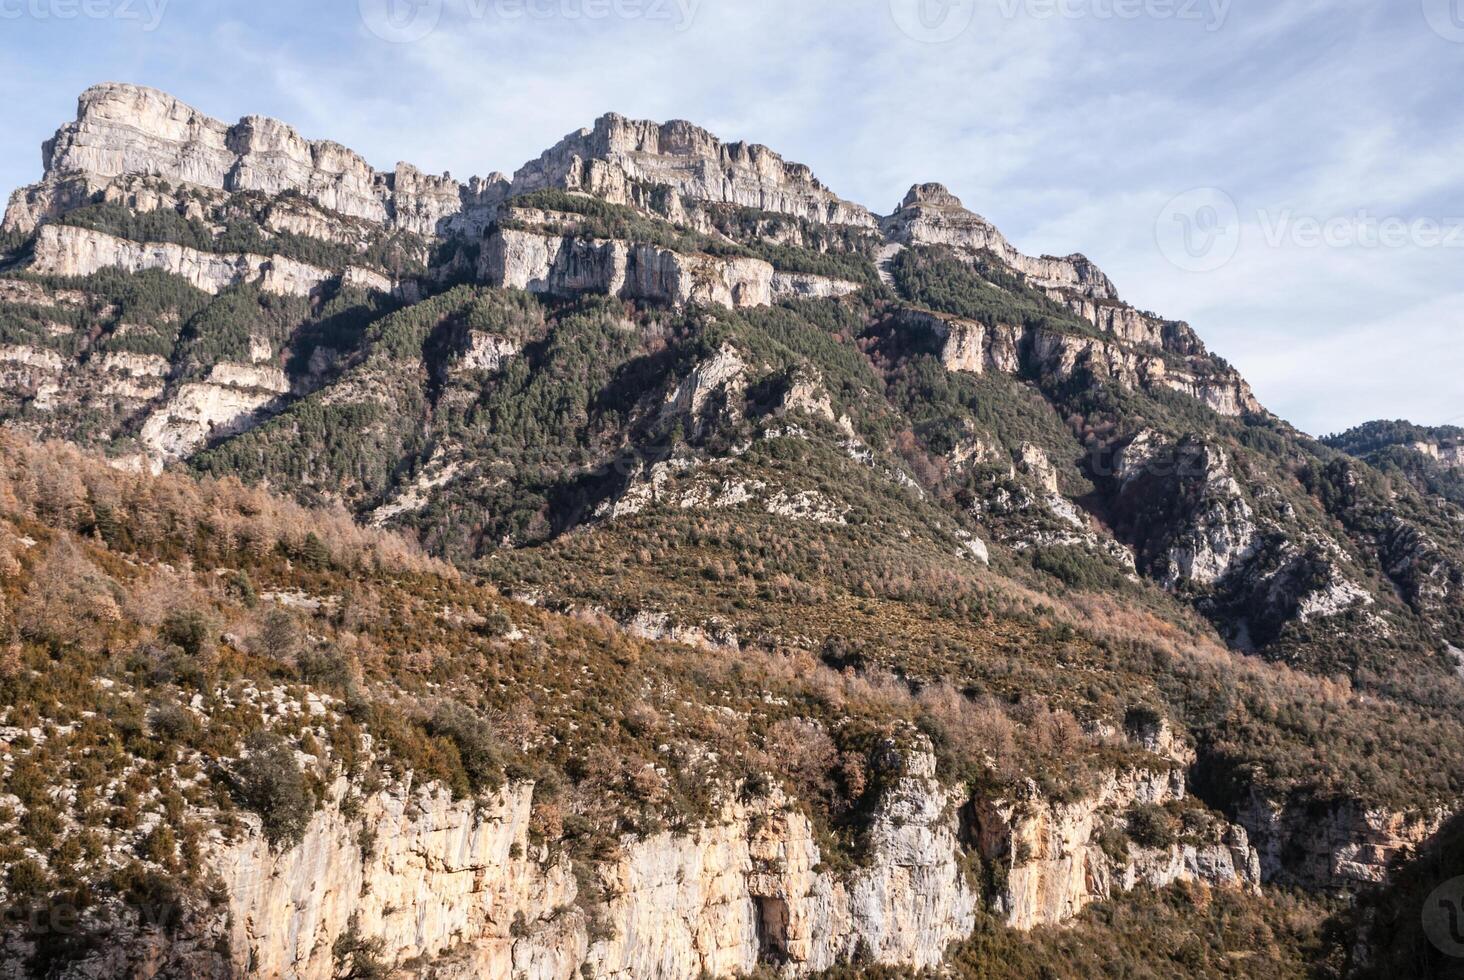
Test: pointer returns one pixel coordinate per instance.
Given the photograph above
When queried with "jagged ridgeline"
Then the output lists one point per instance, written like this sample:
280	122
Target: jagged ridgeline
653	565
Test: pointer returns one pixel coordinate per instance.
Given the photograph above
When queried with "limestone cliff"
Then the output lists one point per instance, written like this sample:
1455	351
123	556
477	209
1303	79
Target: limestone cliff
1340	844
932	215
462	890
542	263
968	345
619	159
128	129
64	250
1052	856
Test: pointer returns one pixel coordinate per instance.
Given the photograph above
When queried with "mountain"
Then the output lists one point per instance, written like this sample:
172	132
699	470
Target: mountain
651	564
1432	459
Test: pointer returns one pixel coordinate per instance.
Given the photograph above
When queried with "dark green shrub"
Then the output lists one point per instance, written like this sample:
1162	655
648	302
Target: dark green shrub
269	782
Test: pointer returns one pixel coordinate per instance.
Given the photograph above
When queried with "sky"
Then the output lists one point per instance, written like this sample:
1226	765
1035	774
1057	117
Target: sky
1286	175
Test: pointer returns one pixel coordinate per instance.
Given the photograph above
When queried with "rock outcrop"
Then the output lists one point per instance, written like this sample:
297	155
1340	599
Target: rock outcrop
1215	532
128	130
416	870
201	412
1448	454
1340	844
620	159
932	215
567	266
968	345
65	250
1052	859
463	887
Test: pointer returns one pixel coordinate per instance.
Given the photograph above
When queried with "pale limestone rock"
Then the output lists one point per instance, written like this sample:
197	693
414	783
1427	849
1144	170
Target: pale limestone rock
130	130
1032	460
748	888
487	352
803	285
806	393
270	379
931	215
1055	866
63	250
24	293
33	372
617	154
1132	326
965	347
132	388
271	157
47	361
367	279
724	375
198	413
806	505
978	550
1342	844
974	347
438	876
541	263
1221	535
716	636
135	365
440	471
1450	456
458	887
968	345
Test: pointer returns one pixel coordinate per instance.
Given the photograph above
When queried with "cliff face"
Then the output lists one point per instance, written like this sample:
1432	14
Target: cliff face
462	887
1335	845
126	129
617	154
64	250
968	345
567	266
1052	857
932	215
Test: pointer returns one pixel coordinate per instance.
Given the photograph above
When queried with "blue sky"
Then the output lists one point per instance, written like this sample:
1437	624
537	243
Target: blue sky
1325	253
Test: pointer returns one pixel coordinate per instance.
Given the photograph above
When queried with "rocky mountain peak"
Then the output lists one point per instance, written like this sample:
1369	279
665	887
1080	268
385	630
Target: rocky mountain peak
618	158
931	195
124	132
